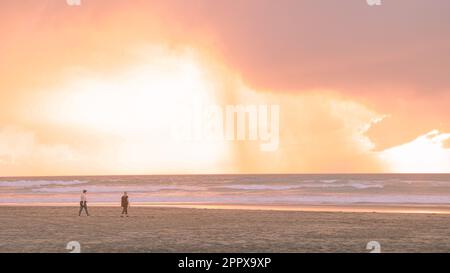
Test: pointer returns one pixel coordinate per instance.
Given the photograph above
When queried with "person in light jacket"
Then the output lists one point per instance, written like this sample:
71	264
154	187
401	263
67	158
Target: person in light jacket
83	203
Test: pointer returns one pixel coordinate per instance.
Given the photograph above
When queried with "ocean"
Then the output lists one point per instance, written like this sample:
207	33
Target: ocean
277	189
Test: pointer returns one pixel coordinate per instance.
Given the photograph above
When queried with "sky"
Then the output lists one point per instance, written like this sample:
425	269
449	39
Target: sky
97	88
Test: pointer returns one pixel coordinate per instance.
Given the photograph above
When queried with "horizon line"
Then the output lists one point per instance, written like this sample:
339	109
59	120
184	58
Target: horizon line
205	174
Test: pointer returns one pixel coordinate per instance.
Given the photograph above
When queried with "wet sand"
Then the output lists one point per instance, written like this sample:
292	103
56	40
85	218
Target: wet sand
152	229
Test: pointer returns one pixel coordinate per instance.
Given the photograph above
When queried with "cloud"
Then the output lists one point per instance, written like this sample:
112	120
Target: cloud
319	132
284	45
393	58
296	45
21	152
427	153
390	61
446	144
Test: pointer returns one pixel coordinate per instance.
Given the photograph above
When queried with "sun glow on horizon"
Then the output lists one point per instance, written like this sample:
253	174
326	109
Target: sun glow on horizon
129	114
425	154
133	110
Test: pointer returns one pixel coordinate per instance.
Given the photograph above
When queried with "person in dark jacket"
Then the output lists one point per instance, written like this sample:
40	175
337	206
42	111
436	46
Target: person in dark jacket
124	204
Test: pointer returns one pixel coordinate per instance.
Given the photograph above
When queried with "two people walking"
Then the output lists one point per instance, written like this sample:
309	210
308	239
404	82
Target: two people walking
124	204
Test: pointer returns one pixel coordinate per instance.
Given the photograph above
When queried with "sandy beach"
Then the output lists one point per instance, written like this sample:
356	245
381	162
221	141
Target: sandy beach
49	229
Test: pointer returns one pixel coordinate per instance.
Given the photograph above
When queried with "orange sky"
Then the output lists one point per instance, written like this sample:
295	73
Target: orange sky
93	89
